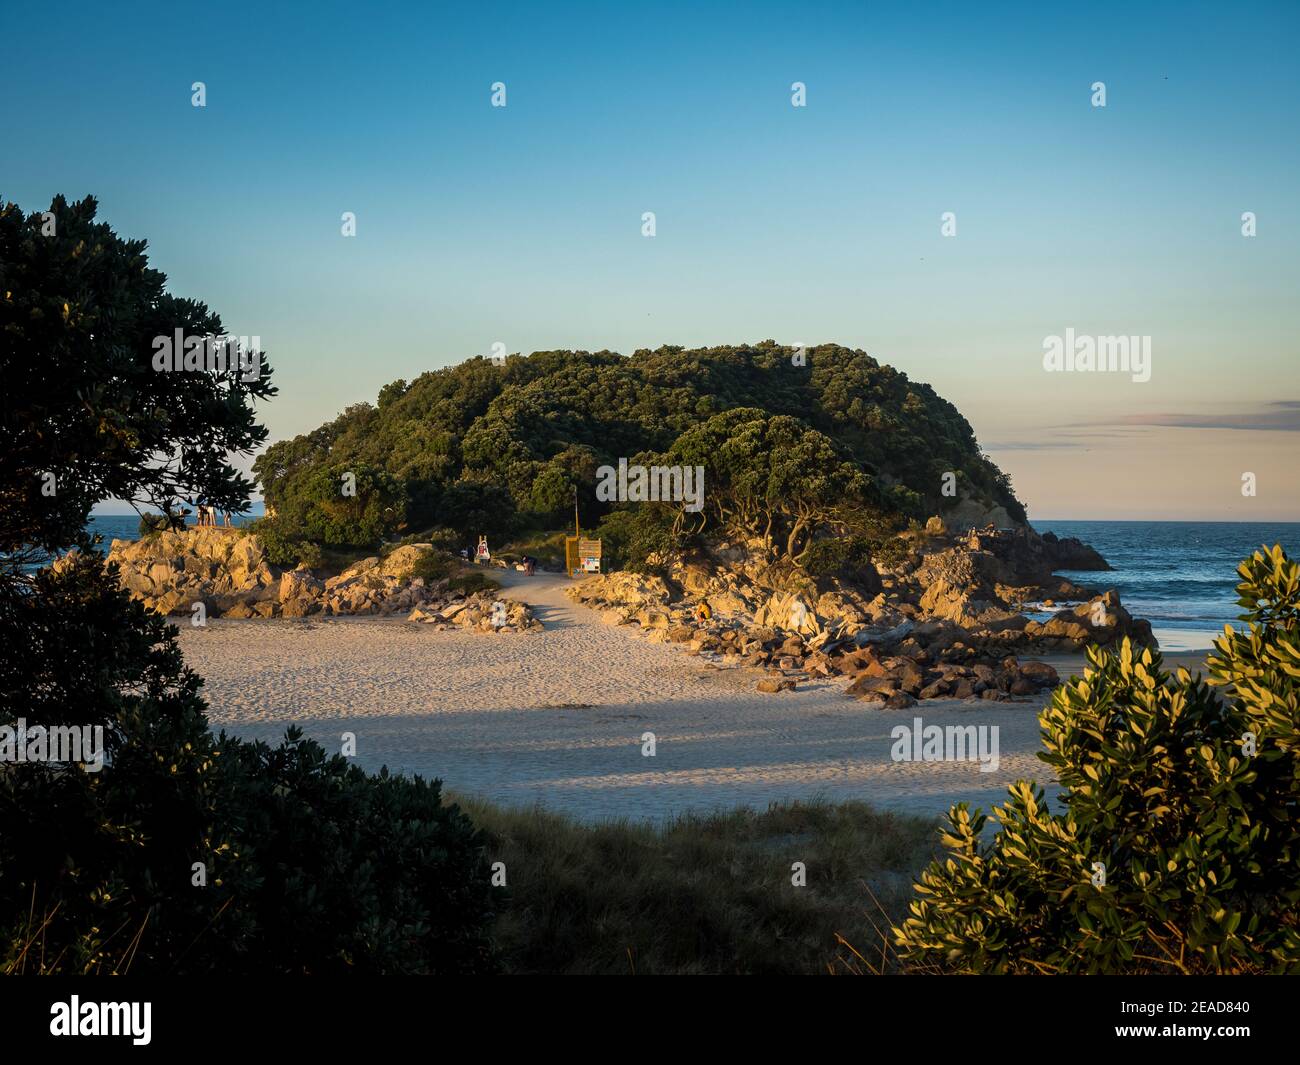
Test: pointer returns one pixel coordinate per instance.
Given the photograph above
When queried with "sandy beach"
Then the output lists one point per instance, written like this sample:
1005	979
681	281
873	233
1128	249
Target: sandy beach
558	717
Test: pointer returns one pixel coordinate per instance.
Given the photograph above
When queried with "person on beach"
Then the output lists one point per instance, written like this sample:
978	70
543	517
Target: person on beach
702	612
528	565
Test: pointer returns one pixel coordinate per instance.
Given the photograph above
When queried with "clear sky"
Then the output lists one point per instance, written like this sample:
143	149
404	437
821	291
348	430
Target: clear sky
522	224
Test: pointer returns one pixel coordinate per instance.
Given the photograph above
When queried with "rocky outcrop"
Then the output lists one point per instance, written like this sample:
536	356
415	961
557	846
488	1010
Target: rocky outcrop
899	681
482	612
1101	620
948	612
221	568
227	570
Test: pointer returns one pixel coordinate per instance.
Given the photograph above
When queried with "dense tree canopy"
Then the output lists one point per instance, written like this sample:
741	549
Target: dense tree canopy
86	414
814	441
171	851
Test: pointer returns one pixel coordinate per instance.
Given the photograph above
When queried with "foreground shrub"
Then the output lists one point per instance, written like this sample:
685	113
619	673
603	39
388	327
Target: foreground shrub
311	865
104	871
1179	850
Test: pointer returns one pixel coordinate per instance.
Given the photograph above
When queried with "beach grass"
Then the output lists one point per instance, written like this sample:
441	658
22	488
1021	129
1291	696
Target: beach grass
704	893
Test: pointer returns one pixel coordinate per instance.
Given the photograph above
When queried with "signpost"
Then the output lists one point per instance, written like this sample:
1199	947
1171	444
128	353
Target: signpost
580	555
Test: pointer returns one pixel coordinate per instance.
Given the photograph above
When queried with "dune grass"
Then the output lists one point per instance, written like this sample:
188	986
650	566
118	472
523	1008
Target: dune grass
703	893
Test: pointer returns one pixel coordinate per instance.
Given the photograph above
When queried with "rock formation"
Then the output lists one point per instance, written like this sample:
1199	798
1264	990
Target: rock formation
946	621
227	570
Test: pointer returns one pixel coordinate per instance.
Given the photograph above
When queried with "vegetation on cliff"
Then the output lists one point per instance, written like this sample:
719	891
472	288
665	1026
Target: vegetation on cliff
841	444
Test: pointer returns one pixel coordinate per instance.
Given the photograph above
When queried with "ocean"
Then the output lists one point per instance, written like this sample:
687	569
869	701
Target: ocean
1179	575
127	526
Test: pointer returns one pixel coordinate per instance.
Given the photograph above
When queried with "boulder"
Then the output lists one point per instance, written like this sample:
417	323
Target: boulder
401	561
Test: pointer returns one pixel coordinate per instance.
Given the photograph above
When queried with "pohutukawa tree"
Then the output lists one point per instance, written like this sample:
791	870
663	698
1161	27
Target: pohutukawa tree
771	477
85	414
182	852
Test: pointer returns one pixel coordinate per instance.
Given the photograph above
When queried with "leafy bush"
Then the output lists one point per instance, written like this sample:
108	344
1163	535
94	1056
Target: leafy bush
284	550
473	508
312	866
472	583
1184	797
355	873
152	524
313	505
841	555
434	566
631	538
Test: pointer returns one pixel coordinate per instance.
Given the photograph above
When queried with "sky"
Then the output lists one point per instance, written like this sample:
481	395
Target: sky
522	225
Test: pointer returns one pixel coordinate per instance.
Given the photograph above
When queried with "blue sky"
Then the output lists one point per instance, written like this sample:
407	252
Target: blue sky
523	224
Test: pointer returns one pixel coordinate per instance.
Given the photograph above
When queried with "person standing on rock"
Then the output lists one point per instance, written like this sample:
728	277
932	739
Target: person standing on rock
703	612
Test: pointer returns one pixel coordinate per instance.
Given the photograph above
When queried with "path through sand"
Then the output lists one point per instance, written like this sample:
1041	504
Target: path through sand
558	716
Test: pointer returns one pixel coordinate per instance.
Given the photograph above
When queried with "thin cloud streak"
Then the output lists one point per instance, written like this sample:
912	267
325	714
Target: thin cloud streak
1281	416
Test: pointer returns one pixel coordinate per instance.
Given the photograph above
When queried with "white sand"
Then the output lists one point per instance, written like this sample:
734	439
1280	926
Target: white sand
558	716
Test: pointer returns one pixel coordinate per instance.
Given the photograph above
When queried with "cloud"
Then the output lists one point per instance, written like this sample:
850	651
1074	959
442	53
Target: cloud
1033	445
1280	416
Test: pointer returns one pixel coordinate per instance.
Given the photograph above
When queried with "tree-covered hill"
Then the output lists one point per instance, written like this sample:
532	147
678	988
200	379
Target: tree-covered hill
482	447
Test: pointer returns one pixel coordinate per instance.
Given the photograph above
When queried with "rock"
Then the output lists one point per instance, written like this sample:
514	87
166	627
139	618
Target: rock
774	685
865	684
1040	674
939	634
401	561
789	611
627	589
1071	553
908	677
884	639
